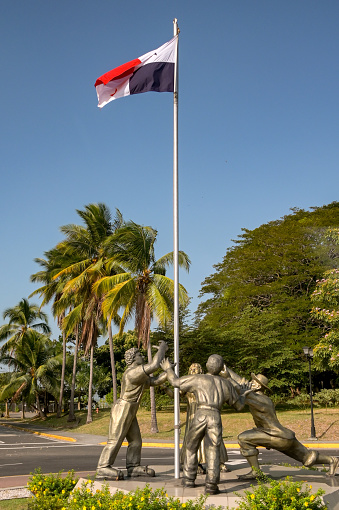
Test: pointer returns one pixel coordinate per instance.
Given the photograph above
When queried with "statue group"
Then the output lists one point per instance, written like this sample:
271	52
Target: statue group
203	447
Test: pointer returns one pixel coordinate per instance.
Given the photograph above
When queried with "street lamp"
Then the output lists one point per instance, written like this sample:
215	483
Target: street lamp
308	351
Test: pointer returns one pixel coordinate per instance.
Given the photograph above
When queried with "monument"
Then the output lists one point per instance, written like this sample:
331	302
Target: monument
123	421
268	431
196	368
211	392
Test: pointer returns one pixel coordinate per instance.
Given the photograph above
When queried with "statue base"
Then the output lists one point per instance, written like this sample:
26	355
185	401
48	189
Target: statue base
229	484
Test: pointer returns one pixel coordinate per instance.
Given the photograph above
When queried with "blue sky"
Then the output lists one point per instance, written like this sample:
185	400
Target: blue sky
258	122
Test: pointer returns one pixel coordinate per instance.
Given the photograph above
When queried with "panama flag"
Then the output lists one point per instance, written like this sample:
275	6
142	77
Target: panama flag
153	71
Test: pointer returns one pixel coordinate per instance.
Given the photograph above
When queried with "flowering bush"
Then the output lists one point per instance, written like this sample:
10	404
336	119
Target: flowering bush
56	493
281	495
85	498
50	491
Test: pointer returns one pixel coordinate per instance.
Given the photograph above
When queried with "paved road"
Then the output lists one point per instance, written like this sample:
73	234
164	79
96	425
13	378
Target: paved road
22	452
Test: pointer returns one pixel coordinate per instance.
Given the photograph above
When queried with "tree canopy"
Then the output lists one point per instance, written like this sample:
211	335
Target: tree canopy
257	307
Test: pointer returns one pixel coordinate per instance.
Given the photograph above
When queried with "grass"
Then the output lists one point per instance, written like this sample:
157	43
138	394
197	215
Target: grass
326	423
14	504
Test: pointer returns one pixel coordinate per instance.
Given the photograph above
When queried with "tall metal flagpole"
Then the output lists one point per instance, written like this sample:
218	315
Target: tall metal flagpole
176	259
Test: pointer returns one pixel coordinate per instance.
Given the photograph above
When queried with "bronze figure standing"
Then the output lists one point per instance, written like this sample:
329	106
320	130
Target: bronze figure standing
123	422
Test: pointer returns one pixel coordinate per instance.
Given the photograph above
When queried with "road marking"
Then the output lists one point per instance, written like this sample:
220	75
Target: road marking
15	464
236	462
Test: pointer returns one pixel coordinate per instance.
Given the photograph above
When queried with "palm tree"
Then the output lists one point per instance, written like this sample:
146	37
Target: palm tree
143	290
56	259
88	242
34	366
23	318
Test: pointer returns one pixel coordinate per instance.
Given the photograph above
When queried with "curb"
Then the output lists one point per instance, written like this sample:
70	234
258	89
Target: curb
70	439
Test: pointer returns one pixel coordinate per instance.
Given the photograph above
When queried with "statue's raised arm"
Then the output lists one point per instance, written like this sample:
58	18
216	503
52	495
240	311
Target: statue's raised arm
162	348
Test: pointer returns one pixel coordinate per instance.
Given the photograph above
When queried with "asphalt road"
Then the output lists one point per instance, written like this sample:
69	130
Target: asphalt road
22	452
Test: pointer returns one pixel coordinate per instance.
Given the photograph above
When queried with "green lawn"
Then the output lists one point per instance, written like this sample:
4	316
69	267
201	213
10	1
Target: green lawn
14	504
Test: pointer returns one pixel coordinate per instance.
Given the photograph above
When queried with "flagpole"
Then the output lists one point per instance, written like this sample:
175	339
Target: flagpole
176	259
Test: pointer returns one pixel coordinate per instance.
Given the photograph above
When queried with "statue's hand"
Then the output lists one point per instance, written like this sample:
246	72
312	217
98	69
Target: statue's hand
167	365
162	344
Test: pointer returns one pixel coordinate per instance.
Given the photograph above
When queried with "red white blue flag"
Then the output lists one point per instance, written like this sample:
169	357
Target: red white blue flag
153	71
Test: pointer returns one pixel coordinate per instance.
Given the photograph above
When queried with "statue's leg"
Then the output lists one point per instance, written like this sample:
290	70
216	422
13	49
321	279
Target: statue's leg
213	439
333	463
309	458
133	456
118	428
248	443
296	450
223	456
197	432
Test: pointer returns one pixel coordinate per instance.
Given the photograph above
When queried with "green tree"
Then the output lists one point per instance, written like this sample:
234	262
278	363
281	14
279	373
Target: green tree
142	288
256	308
35	366
325	299
55	260
121	344
88	243
23	318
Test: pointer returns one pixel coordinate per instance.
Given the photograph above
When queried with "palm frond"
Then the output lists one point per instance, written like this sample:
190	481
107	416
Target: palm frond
108	283
72	319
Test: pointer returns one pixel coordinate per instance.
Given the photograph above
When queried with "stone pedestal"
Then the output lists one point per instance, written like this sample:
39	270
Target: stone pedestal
229	484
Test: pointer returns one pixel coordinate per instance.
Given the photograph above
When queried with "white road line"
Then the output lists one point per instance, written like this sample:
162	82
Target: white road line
15	464
236	462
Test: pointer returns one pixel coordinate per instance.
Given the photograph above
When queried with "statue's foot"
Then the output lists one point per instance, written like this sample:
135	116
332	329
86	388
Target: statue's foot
333	466
252	475
224	468
211	488
109	473
140	471
186	482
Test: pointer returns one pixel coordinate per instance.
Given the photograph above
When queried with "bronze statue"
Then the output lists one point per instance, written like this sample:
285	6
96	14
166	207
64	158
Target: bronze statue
123	422
211	392
269	432
196	368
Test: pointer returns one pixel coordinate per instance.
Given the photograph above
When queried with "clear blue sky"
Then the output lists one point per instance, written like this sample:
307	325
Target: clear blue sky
258	122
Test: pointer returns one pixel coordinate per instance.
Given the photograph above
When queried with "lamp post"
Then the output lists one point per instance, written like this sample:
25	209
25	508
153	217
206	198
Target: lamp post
308	352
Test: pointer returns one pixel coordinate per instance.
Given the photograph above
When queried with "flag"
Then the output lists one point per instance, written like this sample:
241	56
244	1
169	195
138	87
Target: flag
153	71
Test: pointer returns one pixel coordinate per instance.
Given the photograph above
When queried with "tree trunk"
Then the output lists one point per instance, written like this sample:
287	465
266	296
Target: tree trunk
7	409
154	421
71	416
89	412
63	369
41	414
22	409
114	373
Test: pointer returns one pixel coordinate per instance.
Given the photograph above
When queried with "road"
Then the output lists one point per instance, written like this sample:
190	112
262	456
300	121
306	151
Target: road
22	453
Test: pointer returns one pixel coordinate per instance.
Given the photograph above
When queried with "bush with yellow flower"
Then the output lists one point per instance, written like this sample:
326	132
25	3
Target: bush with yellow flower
281	495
